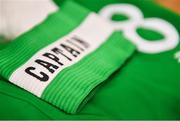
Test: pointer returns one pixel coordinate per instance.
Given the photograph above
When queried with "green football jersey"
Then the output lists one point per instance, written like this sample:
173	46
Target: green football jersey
145	87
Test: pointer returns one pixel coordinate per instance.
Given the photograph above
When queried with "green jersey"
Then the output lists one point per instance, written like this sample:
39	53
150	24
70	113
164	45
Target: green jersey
145	87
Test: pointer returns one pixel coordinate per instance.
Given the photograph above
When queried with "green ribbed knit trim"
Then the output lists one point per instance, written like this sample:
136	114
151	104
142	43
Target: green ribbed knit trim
71	87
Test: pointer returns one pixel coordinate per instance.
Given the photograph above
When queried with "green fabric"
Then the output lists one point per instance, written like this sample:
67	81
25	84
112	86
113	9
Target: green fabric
148	86
72	85
79	86
20	104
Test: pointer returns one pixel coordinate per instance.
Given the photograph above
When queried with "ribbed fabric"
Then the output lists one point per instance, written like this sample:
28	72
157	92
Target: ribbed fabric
73	85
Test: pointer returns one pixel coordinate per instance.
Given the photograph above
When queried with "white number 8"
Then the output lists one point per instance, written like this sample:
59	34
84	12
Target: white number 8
136	19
